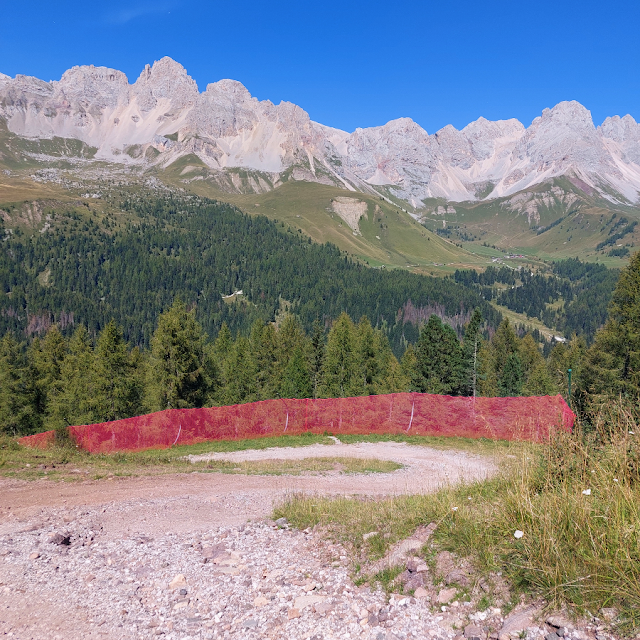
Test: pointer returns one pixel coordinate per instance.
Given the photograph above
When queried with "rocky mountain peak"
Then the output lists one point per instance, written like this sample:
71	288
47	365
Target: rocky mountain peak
563	134
620	129
165	80
230	90
226	127
483	128
567	113
95	86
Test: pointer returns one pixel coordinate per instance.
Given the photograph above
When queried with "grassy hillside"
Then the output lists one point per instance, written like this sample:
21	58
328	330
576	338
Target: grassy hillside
386	236
551	221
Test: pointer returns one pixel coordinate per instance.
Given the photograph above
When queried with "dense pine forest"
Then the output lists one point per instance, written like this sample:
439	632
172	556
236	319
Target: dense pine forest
572	298
55	382
88	270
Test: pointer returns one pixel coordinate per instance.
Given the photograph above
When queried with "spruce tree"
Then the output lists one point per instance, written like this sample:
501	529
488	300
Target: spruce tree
367	363
440	359
262	341
291	335
47	356
295	360
409	369
493	358
75	404
339	368
118	393
18	392
511	377
471	350
178	369
217	355
240	374
389	377
296	379
611	367
316	356
537	380
223	343
540	382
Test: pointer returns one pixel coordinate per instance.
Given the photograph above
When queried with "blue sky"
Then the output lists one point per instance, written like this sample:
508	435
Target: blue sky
351	63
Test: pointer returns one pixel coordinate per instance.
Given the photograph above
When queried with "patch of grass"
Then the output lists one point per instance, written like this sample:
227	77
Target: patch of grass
220	446
576	500
387	577
66	462
306	465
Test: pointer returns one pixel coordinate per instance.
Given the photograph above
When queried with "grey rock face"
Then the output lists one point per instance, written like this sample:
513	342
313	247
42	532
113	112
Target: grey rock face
226	127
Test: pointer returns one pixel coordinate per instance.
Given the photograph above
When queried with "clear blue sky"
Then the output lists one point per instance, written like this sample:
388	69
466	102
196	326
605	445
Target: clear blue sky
351	63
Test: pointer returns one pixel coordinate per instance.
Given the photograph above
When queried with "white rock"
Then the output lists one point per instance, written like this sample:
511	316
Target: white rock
178	582
304	601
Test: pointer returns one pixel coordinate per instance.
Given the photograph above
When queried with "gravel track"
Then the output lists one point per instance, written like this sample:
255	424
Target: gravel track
129	538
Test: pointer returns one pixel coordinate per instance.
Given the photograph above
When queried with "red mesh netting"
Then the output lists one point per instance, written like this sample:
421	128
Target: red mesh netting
530	418
39	440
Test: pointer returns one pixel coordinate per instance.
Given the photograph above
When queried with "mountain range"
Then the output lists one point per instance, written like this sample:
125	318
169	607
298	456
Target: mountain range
162	117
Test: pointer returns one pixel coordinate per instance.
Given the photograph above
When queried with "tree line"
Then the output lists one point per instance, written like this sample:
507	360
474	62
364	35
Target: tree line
55	382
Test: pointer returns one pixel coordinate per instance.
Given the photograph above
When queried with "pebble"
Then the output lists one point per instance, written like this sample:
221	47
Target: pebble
446	595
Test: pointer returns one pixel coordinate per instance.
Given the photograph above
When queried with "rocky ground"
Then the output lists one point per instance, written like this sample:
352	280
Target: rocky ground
175	557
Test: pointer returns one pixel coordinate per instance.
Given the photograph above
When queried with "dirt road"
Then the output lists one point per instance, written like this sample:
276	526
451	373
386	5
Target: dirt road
187	502
129	537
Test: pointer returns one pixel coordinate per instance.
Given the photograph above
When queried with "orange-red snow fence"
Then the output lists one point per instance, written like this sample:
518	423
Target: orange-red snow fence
532	418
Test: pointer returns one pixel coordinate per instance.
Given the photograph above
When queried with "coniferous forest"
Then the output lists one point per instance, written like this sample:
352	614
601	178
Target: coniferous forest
90	270
104	319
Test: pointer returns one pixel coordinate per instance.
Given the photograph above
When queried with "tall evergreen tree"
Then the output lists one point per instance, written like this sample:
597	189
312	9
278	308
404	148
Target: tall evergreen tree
74	404
367	360
611	366
390	377
118	393
540	382
262	341
471	350
493	359
47	357
223	343
537	380
291	336
409	369
440	359
240	374
316	356
339	368
294	366
296	379
178	370
511	377
217	355
18	392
